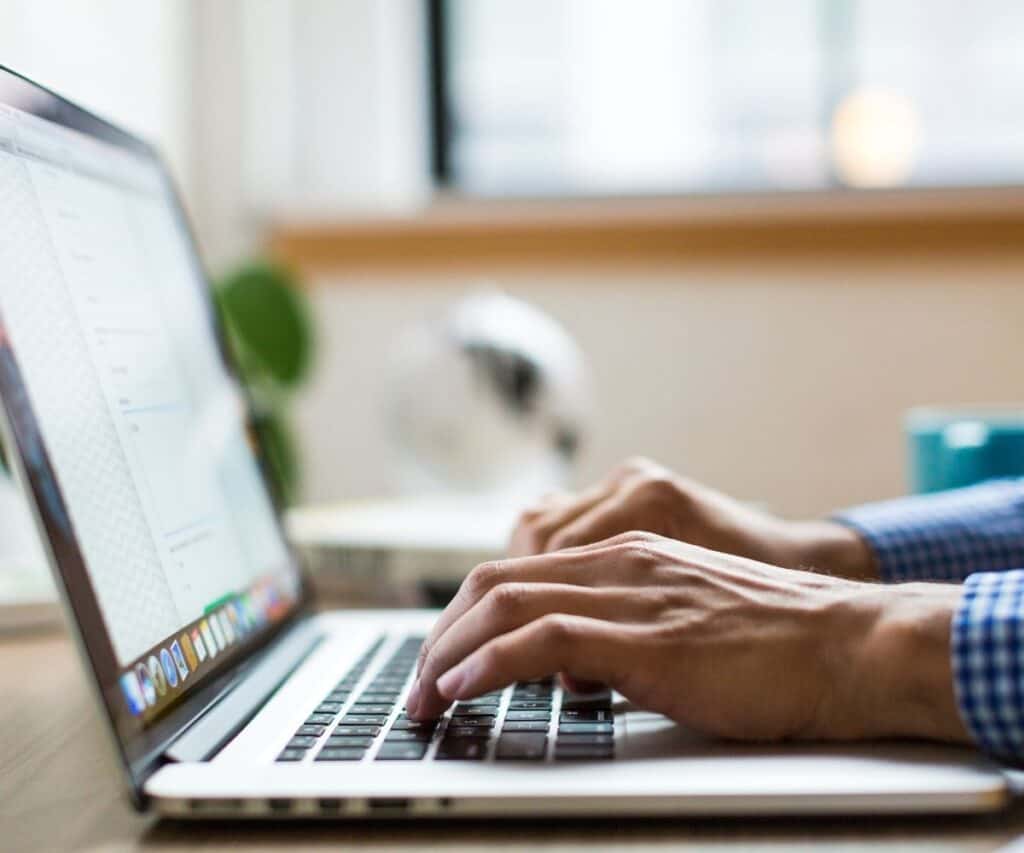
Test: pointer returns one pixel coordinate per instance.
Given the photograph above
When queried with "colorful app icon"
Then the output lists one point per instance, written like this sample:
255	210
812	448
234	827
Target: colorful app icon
211	643
148	690
168	667
179	660
218	632
190	652
226	627
156	672
198	644
231	608
132	691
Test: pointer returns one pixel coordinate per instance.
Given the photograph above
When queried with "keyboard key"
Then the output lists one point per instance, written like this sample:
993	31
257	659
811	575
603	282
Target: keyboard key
586	715
482	711
319	719
328	708
528	715
585	728
585	739
353	731
582	752
344	740
401	751
486	699
301	742
388	698
402	735
330	753
601	699
368	708
473	722
414	725
466	732
462	749
529	705
292	755
525	726
338	696
311	730
522	746
363	720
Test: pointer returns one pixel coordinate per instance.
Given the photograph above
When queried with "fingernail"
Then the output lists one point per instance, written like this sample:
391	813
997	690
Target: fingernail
413	699
449	684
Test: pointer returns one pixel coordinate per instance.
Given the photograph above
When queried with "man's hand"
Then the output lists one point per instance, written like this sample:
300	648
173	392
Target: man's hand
724	645
642	495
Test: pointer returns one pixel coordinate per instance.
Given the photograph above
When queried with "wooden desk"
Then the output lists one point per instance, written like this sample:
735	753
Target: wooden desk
60	790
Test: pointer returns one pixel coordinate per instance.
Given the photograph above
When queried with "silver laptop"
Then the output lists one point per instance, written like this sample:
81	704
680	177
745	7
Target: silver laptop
226	695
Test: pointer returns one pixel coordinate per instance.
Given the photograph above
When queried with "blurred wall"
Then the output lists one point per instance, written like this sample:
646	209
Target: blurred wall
778	382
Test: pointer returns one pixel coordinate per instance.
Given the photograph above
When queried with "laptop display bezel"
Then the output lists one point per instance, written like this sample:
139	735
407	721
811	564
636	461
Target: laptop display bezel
140	748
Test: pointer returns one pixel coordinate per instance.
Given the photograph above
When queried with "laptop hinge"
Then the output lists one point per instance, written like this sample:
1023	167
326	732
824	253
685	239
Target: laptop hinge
240	704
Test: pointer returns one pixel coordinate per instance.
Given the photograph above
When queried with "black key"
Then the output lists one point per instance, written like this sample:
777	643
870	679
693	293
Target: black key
351	741
367	708
328	708
354	731
319	719
528	715
414	725
330	753
466	732
401	751
529	705
292	755
312	731
462	749
411	735
346	684
388	682
585	728
531	692
582	752
338	696
363	720
523	746
586	715
301	742
525	726
482	711
473	722
585	740
601	699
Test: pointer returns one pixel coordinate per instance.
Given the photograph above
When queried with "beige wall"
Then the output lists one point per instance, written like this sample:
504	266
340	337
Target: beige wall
782	382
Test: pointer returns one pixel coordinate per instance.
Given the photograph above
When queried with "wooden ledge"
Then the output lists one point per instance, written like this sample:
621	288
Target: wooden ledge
484	235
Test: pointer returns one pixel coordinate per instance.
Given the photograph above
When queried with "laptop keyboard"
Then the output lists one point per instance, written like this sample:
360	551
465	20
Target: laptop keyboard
531	721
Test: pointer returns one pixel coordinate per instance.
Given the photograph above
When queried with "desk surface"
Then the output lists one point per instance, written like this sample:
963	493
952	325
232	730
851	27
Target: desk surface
60	790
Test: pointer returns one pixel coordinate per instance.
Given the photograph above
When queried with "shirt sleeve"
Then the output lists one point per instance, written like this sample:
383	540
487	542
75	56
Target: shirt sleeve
945	536
987	647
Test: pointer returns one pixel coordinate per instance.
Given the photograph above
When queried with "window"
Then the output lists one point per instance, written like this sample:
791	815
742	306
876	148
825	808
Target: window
601	97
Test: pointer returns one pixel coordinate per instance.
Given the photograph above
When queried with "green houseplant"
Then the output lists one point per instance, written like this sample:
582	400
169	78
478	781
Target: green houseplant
270	332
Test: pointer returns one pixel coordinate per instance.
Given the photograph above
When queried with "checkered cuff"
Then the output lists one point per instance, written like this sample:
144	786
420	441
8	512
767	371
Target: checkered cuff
946	535
988	661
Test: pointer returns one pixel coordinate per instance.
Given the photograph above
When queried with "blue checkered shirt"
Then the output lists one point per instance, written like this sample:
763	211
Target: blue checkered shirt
974	536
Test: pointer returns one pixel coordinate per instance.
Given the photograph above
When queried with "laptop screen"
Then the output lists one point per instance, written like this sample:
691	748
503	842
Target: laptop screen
130	425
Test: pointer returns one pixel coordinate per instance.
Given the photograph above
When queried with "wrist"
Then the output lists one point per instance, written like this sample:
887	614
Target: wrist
897	679
832	548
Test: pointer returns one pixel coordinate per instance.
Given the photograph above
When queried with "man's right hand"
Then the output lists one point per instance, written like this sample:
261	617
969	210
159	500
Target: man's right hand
642	495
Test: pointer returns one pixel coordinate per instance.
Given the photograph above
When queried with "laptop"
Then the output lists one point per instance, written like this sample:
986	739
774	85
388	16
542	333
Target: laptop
225	693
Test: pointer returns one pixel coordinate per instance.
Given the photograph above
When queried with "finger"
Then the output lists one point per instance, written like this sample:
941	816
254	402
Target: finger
592	649
532	533
599	564
608	518
575	685
508	607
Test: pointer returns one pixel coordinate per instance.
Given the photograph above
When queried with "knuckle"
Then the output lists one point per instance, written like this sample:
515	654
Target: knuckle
656	488
506	597
484	577
557	628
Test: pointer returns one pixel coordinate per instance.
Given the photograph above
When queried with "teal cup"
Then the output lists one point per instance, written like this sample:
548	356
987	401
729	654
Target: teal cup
956	447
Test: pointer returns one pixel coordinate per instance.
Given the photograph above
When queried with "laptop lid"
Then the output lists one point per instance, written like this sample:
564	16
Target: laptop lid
132	432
